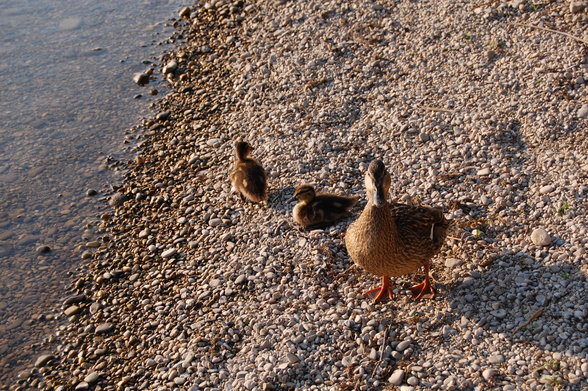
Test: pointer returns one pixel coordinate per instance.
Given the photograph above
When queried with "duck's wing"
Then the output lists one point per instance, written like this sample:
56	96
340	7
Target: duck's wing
250	178
420	225
335	204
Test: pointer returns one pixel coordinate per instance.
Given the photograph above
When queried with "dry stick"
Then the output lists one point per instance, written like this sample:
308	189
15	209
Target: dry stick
532	318
584	41
381	351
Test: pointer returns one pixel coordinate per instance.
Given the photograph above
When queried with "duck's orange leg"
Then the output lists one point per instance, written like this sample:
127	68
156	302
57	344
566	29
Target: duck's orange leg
382	290
424	287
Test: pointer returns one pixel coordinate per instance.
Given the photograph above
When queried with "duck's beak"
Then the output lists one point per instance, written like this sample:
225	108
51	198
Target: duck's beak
379	197
293	198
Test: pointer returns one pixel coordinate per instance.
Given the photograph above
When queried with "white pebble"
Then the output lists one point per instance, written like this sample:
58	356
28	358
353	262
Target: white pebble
169	253
540	237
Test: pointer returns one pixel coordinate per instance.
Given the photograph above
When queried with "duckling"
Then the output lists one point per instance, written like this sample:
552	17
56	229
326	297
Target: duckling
394	239
320	210
248	176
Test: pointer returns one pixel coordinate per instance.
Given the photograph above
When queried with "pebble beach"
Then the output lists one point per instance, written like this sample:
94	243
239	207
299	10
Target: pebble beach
480	108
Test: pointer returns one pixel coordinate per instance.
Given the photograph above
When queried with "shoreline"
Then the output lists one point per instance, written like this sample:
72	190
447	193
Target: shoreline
62	114
191	288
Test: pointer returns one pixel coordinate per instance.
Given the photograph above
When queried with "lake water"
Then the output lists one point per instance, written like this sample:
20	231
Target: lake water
66	98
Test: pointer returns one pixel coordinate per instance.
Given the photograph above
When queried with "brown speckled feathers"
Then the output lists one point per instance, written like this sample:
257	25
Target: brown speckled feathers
392	239
248	176
320	210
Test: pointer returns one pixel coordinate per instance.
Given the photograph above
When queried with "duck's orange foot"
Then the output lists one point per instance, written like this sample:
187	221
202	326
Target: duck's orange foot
382	290
422	289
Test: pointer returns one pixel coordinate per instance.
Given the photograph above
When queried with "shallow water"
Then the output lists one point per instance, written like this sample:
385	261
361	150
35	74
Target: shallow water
66	98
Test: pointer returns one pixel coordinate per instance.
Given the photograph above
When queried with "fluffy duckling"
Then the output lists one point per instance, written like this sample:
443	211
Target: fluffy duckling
320	210
394	239
248	176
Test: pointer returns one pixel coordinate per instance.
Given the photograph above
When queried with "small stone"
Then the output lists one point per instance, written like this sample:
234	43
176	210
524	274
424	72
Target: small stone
75	299
413	381
25	374
185	12
189	357
214	142
449	382
292	358
163	116
44	359
488	374
104	328
396	377
540	237
546	189
82	386
583	111
91	192
141	78
241	279
577	7
170	252
170	67
92	378
453	262
424	137
94	307
226	237
43	249
93	244
72	310
540	299
496	359
117	199
518	4
500	313
484	172
406	388
215	222
215	282
403	345
491	55
193	244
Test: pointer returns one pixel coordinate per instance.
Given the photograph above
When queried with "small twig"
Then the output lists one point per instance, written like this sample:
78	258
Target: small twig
381	352
585	42
532	318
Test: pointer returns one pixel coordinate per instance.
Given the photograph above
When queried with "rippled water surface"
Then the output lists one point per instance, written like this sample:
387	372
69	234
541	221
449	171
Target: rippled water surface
66	97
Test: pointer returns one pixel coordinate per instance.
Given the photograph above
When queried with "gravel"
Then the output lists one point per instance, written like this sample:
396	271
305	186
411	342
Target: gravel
192	288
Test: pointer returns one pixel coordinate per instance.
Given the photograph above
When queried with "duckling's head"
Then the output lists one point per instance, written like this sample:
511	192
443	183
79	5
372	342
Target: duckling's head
242	149
305	193
377	183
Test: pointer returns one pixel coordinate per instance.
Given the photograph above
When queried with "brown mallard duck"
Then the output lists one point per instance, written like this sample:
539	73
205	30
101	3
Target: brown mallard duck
393	239
248	176
320	210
